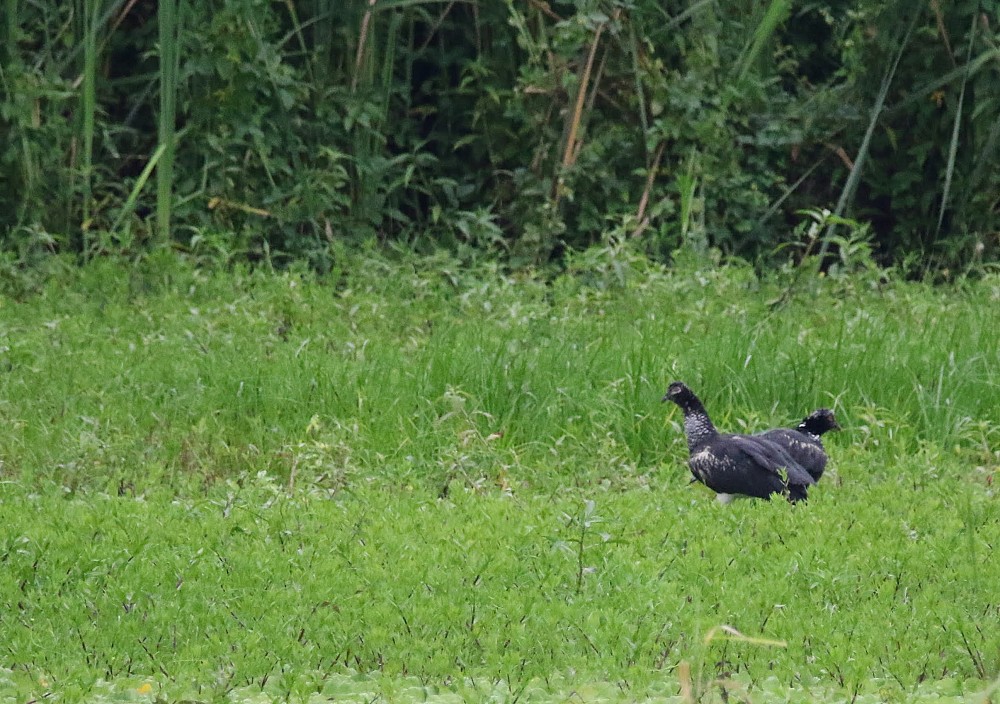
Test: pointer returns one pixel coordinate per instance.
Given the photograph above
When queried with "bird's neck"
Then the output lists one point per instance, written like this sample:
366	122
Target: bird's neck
805	430
698	427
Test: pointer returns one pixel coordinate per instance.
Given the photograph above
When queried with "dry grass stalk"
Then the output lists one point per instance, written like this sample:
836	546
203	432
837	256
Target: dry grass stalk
362	41
644	200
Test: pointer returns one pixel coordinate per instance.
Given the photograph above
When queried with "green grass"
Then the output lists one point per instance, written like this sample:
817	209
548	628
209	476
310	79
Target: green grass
413	481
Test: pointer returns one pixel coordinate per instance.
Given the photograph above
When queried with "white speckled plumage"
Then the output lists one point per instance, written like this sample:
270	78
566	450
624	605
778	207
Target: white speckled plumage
697	428
804	442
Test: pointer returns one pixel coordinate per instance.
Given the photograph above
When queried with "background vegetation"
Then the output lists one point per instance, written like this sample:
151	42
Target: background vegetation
255	449
521	127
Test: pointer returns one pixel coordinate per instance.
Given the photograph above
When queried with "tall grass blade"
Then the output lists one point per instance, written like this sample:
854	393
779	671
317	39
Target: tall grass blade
389	48
953	147
921	92
133	196
169	67
640	93
787	193
855	175
372	80
88	97
776	13
984	156
679	18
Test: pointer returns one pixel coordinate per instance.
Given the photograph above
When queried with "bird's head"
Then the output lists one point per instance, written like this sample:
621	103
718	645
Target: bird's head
679	393
820	421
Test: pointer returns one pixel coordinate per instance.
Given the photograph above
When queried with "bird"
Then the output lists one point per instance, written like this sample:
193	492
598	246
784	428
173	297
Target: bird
804	442
731	464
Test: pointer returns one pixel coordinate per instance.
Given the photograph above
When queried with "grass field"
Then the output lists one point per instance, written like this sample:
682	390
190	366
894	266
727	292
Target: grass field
411	481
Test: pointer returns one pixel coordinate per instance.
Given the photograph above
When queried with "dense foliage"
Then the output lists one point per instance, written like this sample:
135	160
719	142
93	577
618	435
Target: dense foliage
262	129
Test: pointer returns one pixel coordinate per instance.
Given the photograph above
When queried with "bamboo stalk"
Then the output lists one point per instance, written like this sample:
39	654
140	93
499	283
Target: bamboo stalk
569	153
169	67
644	200
91	10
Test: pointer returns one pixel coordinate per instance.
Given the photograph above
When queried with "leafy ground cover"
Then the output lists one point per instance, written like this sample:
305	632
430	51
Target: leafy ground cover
414	481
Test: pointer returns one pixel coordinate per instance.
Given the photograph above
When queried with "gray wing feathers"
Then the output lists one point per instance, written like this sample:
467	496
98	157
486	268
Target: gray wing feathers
804	449
773	458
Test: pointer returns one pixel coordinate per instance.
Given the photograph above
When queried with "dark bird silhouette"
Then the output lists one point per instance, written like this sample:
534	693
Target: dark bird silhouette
804	442
736	464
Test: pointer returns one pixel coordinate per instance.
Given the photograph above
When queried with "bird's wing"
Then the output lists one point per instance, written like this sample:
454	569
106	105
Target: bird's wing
772	457
726	469
776	434
805	449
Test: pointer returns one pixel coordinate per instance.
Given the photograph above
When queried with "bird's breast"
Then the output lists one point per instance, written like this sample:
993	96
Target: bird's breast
705	463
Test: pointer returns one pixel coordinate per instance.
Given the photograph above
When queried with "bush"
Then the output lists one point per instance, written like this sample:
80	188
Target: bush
521	129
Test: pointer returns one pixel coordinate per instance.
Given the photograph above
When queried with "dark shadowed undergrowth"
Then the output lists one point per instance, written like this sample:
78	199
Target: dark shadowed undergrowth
413	480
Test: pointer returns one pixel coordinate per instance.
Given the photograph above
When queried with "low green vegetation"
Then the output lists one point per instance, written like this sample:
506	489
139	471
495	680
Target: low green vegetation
417	480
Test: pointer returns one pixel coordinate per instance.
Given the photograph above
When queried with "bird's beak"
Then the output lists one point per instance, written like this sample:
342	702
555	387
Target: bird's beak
666	397
836	425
